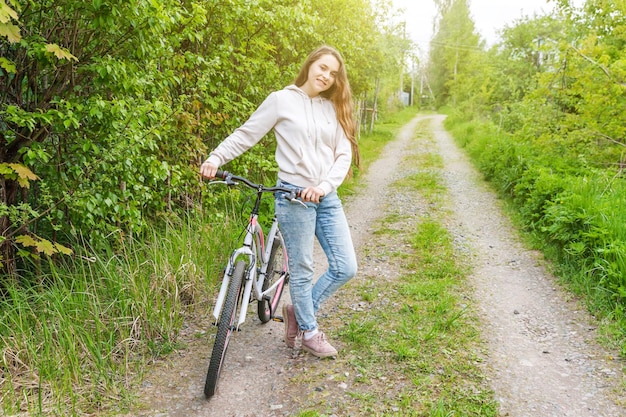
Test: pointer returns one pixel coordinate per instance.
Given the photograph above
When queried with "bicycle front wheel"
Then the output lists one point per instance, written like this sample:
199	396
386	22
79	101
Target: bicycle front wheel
276	270
225	329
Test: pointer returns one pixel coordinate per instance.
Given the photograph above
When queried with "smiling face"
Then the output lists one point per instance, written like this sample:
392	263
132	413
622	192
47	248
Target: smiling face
321	76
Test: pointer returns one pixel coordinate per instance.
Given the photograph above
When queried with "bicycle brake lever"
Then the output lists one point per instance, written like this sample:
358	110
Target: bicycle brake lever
228	181
293	198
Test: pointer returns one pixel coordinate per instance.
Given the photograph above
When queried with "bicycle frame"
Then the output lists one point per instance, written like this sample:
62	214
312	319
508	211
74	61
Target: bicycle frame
254	249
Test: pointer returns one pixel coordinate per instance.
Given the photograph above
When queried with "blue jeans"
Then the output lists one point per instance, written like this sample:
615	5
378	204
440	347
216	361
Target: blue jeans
300	226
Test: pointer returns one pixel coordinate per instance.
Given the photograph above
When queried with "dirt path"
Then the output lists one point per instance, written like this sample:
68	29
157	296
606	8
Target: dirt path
542	360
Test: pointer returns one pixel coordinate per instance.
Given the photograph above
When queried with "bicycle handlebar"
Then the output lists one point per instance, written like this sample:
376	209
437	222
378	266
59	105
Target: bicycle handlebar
232	179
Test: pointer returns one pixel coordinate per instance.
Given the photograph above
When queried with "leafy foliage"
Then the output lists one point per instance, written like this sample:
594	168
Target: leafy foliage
113	103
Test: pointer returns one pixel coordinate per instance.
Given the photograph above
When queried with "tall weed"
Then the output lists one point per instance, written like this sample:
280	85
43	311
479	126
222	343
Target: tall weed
73	343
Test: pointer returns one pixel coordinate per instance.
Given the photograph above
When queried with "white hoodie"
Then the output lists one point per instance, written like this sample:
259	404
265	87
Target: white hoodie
312	148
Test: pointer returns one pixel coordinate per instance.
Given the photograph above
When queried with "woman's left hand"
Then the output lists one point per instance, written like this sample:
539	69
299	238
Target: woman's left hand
312	194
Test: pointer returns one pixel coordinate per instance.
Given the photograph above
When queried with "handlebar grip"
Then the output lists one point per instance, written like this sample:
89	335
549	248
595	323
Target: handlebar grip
221	174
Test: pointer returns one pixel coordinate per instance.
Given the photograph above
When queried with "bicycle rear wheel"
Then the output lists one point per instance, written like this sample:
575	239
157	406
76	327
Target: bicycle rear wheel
276	269
225	329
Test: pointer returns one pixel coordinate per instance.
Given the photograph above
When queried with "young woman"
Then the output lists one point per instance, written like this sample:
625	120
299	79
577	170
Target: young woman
315	134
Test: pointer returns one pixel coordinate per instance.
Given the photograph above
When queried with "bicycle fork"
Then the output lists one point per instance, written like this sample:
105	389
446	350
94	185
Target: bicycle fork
249	276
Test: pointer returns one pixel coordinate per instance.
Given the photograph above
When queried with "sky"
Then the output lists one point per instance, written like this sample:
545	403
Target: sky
488	16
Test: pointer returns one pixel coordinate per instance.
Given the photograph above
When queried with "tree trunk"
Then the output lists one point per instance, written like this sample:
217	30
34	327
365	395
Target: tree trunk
8	194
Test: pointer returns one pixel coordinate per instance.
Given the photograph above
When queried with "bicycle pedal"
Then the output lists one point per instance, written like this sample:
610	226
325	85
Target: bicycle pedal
278	319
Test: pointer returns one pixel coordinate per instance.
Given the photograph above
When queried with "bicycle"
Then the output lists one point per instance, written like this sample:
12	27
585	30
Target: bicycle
257	270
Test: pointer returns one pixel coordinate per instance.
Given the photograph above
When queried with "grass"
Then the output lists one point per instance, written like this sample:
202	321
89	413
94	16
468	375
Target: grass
75	342
414	348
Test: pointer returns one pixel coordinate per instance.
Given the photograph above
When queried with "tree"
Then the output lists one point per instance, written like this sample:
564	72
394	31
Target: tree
451	49
26	111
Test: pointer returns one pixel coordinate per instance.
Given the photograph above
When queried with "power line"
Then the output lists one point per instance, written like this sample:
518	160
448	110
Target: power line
457	46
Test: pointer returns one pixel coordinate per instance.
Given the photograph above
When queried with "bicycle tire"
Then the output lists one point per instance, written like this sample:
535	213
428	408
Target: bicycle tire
224	329
276	267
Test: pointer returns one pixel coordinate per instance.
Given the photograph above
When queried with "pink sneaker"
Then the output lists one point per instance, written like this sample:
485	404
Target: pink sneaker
318	345
291	325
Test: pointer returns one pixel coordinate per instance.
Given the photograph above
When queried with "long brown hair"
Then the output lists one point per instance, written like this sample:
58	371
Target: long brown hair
339	94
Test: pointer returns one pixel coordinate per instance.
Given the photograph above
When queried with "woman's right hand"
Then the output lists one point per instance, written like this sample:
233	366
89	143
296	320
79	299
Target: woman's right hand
208	170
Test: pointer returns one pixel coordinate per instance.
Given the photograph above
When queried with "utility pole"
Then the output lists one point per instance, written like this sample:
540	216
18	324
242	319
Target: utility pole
412	81
421	85
402	62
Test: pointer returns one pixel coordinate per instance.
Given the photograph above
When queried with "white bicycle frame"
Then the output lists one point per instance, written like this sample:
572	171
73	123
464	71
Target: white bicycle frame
255	248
